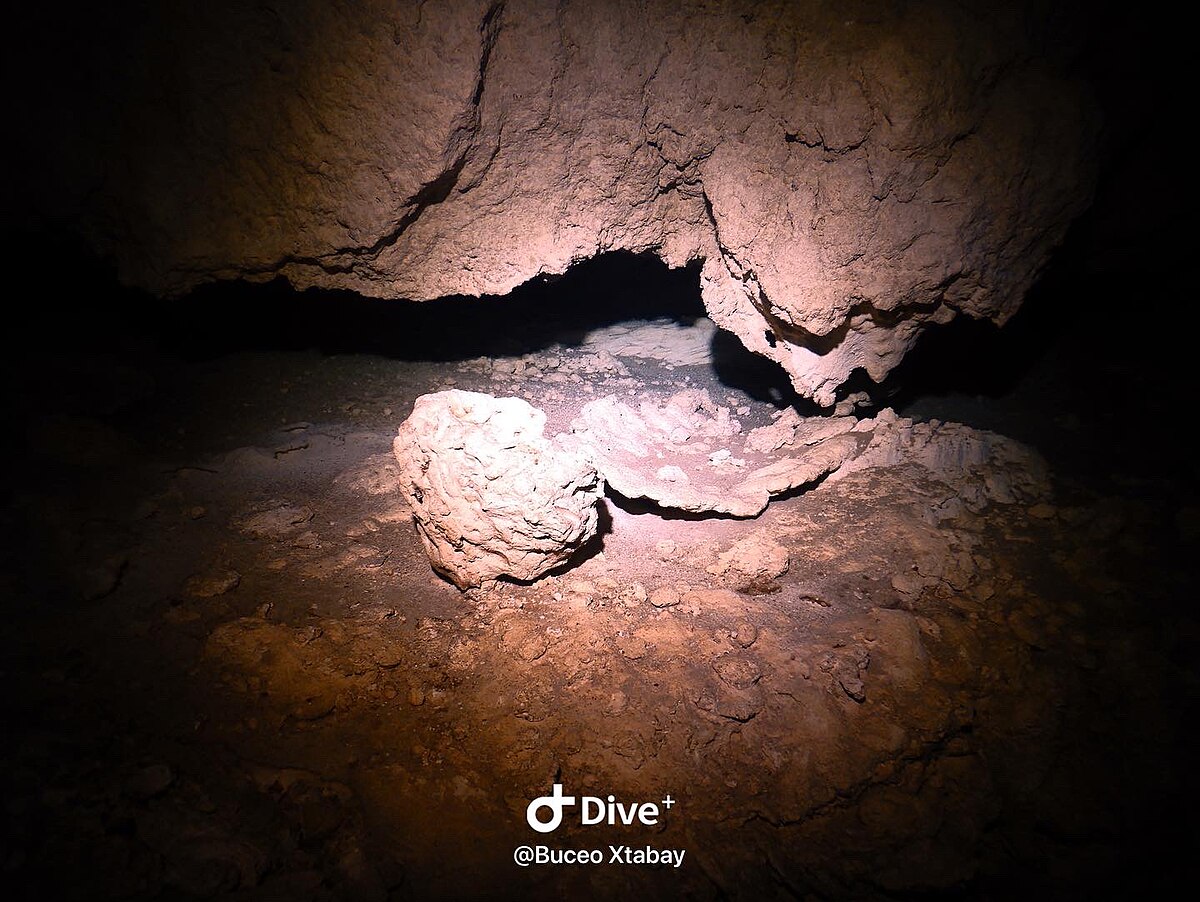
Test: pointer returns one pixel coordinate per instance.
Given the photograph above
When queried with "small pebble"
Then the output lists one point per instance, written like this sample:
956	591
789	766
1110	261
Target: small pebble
664	597
745	634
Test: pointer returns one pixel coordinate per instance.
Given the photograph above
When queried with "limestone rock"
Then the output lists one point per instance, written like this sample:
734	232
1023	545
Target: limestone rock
795	471
691	454
792	430
982	466
848	172
662	339
492	496
758	556
677	454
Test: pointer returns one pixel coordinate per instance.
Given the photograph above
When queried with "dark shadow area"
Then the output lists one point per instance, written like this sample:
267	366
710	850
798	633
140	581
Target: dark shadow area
762	379
977	357
1088	371
102	351
543	311
93	349
638	506
799	490
91	313
1094	366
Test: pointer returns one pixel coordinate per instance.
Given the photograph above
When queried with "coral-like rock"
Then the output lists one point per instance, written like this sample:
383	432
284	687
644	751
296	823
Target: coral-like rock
490	495
679	454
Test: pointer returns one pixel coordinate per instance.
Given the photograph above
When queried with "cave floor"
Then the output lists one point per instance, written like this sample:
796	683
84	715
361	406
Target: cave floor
236	674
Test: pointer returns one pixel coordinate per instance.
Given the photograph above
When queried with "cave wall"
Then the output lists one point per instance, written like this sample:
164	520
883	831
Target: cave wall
848	172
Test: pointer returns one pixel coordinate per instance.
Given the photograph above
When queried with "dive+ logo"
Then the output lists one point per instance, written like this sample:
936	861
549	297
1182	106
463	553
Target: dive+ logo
593	810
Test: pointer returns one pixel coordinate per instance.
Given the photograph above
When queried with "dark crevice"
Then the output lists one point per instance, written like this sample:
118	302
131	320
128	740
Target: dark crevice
649	506
819	143
428	195
431	194
489	28
233	317
823	344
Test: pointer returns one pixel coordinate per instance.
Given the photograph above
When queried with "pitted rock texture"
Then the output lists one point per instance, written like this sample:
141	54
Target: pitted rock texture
689	454
490	495
848	172
984	467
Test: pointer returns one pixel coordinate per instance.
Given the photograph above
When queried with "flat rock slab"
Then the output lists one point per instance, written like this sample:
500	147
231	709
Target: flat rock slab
692	454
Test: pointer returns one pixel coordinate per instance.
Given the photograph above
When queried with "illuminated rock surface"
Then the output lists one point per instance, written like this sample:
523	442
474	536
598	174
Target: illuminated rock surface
233	673
848	173
490	495
690	454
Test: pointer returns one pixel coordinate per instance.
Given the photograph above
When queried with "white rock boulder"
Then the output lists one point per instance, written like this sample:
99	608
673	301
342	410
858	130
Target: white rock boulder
490	494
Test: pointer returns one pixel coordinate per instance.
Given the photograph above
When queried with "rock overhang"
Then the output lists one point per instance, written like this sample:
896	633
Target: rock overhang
848	174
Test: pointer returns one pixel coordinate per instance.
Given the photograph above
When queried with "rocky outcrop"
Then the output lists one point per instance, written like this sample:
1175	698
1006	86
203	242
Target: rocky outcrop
490	495
984	467
847	172
691	454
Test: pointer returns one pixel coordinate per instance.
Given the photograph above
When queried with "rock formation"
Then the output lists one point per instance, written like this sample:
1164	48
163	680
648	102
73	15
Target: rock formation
984	467
493	497
490	495
690	454
848	172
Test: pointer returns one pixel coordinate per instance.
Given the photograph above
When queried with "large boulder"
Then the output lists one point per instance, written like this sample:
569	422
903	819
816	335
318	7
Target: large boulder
490	495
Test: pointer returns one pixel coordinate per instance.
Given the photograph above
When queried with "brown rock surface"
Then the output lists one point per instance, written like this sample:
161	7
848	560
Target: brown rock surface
848	172
984	466
940	693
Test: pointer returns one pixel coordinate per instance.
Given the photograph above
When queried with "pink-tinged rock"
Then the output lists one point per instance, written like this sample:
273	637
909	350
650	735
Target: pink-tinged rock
848	173
490	495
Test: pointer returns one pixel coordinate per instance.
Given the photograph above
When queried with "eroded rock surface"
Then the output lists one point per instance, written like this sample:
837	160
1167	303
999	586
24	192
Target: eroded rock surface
983	466
491	496
887	687
848	172
691	454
